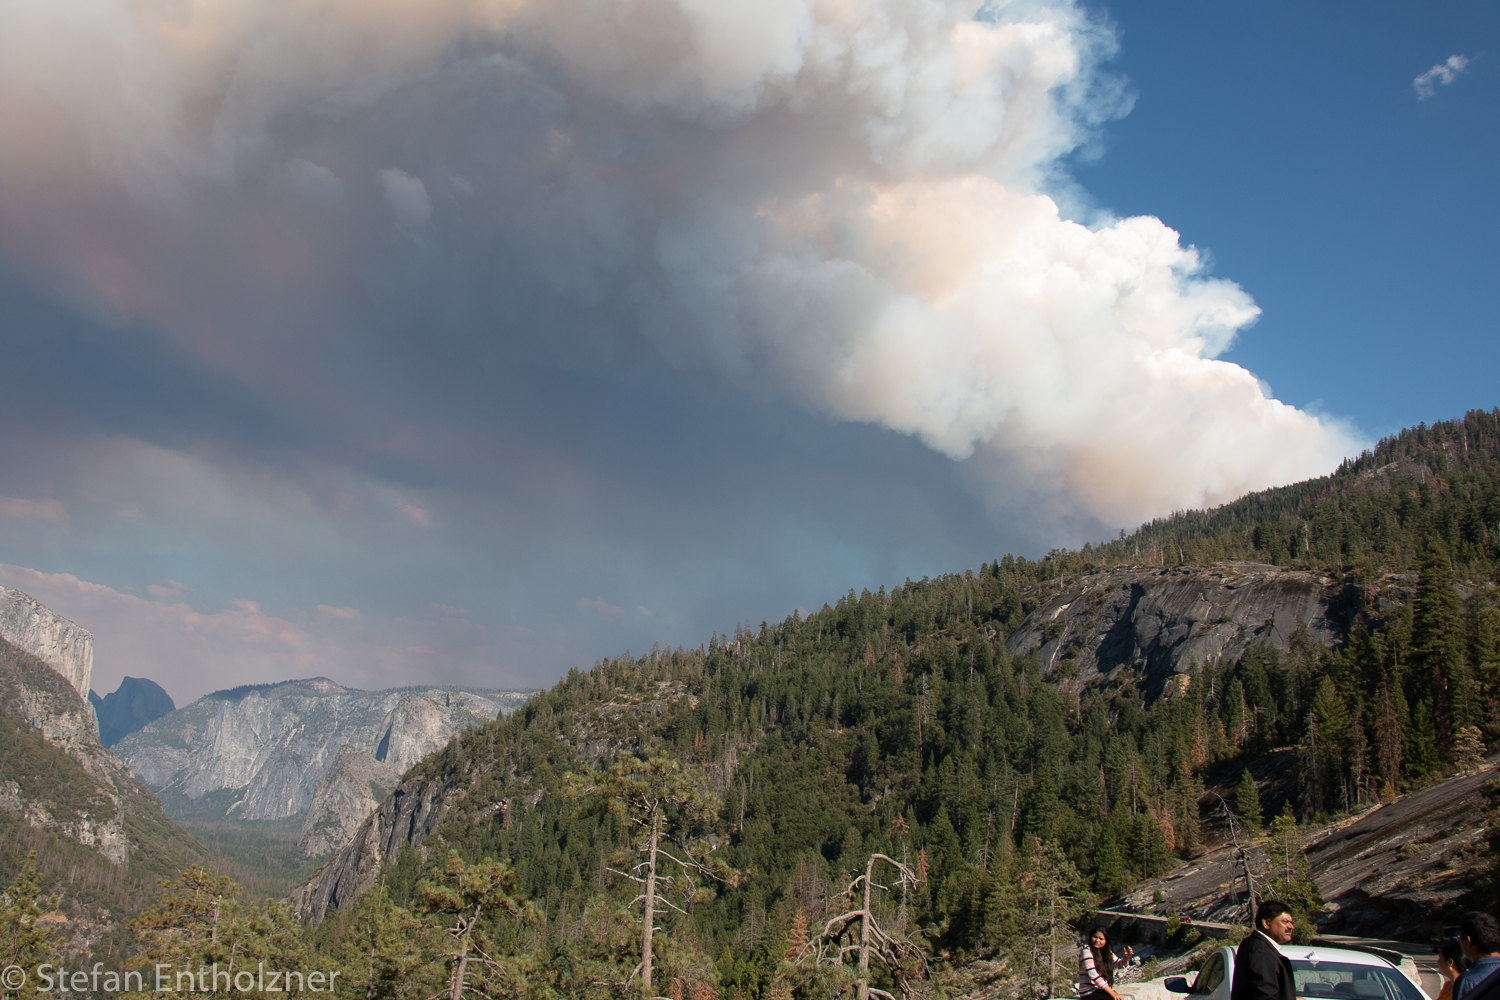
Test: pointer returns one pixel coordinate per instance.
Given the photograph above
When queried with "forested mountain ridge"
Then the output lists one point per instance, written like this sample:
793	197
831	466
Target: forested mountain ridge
1376	514
929	723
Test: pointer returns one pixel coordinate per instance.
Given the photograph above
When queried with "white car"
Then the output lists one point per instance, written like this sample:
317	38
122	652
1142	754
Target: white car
1320	974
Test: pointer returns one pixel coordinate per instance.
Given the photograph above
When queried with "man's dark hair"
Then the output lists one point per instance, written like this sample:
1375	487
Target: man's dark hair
1269	911
1482	930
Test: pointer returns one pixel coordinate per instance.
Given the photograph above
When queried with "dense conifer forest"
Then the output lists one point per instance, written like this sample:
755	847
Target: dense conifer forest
1378	513
748	785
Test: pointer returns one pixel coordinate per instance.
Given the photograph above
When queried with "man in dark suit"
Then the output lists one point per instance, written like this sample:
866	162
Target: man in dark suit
1479	937
1261	971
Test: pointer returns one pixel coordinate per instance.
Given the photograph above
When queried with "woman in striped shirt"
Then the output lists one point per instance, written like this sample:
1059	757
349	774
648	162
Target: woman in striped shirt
1096	967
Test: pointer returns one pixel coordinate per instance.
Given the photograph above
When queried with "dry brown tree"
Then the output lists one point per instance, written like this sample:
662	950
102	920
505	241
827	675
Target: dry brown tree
857	933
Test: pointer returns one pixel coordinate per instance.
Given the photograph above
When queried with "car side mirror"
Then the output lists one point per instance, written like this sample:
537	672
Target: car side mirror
1177	984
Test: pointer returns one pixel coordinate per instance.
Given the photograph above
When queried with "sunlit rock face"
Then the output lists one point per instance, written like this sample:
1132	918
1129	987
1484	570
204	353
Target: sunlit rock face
305	748
88	806
1159	625
349	791
65	647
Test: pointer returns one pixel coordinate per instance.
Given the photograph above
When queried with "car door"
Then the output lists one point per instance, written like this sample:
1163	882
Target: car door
1212	981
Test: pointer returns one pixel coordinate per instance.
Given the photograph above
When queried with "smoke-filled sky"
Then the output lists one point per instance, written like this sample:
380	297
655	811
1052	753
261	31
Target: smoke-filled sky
471	340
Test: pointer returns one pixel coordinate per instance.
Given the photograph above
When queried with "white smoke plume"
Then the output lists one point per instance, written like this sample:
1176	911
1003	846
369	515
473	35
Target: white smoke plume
840	201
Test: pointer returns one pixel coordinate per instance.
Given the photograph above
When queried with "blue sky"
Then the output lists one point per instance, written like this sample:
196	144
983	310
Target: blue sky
1289	140
337	346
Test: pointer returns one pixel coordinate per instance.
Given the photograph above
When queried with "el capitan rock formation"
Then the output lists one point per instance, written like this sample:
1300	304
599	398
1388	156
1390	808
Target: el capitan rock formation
65	647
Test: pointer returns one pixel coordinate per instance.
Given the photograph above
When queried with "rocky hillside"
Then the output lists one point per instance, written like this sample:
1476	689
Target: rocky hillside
136	702
1163	623
1396	870
65	647
437	791
102	839
306	749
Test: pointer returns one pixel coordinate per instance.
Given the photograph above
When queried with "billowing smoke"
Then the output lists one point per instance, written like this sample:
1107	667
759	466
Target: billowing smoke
842	202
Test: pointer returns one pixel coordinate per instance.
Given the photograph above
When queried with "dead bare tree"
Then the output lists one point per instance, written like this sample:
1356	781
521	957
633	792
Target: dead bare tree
663	805
832	945
1242	856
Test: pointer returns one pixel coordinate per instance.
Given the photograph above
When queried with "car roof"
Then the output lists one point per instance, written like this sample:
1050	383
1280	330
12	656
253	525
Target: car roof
1320	953
1310	953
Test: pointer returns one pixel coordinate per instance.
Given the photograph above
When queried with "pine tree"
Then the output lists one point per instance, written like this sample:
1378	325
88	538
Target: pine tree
1468	749
462	897
1388	734
1359	756
26	942
1482	635
1031	914
1185	819
1247	802
1110	875
1153	854
796	935
1436	638
269	936
835	941
380	951
1310	759
195	923
1290	876
1421	742
1334	733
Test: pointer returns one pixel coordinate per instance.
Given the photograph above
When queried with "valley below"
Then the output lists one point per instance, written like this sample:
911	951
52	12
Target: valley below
281	775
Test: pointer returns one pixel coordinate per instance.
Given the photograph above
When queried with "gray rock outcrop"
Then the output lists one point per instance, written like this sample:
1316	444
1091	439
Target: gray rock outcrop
65	647
406	817
1389	871
88	806
270	752
349	790
1162	623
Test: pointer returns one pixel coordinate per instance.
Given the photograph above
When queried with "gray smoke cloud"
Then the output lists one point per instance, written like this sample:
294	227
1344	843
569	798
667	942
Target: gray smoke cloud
840	203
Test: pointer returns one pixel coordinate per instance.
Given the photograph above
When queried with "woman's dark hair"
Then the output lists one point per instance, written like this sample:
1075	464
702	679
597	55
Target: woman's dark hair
1104	960
1454	953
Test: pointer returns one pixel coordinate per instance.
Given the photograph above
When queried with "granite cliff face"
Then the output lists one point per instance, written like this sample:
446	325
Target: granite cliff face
65	647
1397	870
406	817
1162	623
347	792
306	748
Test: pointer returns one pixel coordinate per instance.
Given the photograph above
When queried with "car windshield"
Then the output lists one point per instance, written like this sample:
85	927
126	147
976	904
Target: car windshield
1342	981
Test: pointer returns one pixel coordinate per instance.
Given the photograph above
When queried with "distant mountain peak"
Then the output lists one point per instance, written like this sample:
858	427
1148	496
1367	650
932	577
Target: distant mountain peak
136	703
317	685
